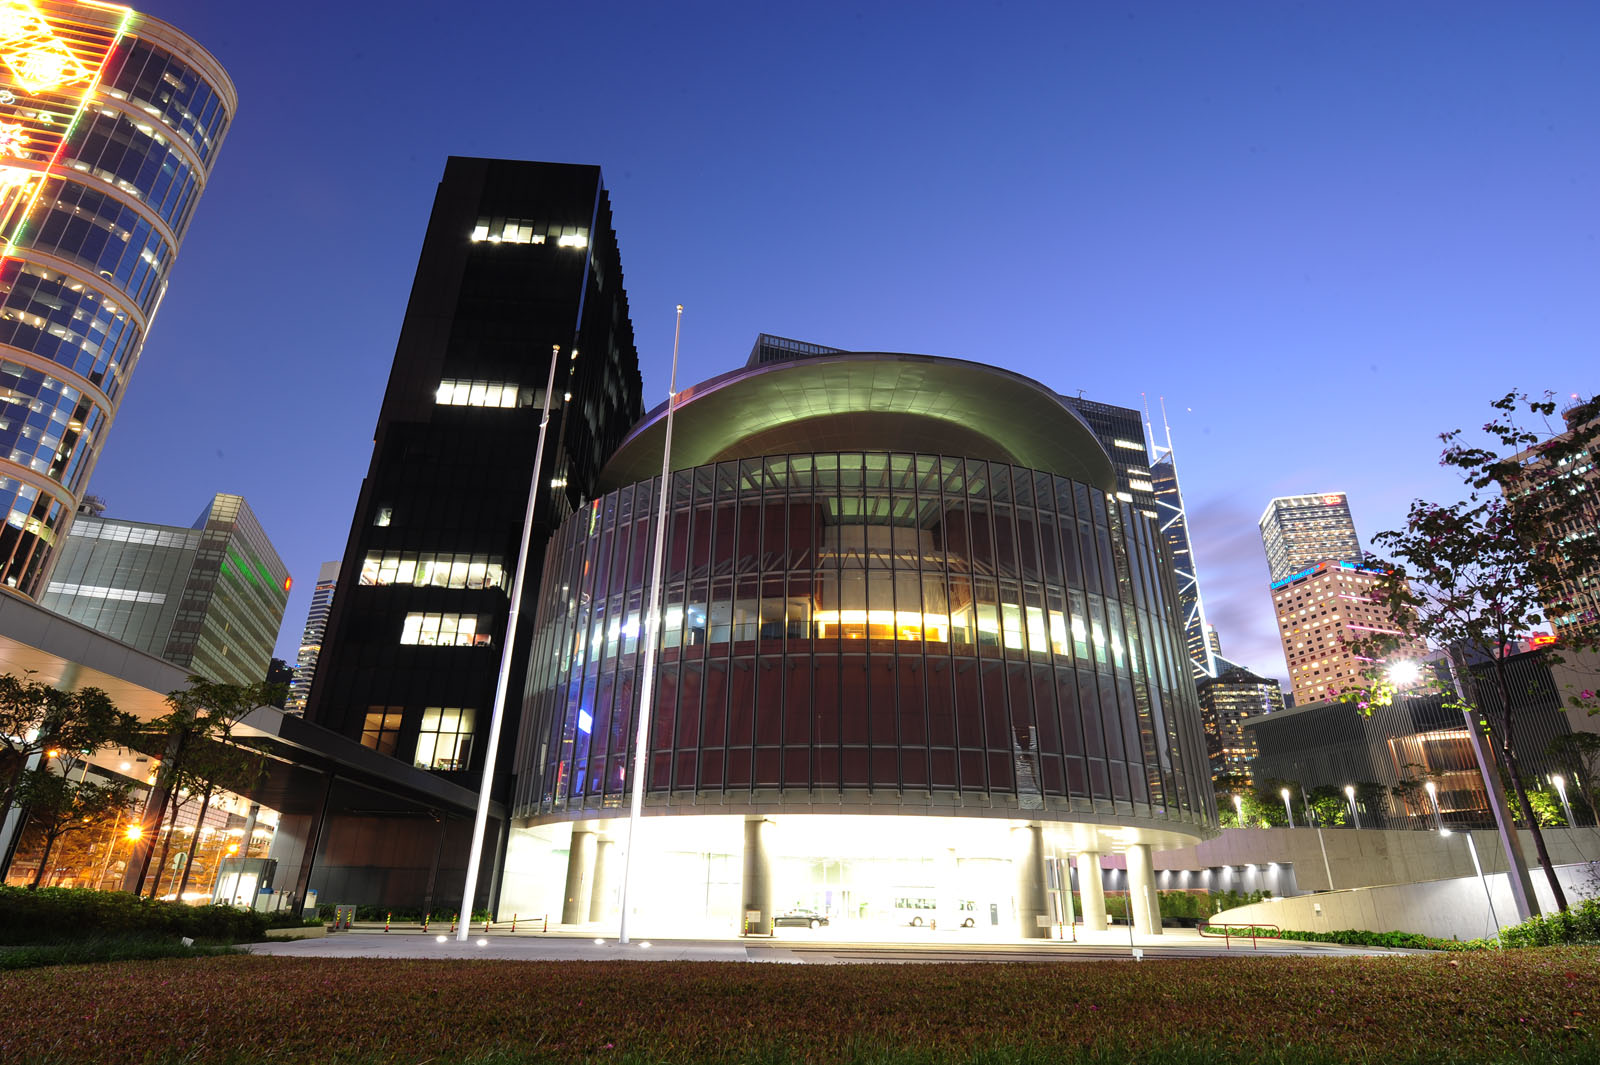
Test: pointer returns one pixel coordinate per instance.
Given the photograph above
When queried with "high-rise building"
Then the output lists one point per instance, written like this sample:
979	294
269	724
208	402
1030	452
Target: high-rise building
110	123
208	598
1120	431
311	638
769	348
1298	532
1204	650
1573	606
1229	702
519	266
1321	612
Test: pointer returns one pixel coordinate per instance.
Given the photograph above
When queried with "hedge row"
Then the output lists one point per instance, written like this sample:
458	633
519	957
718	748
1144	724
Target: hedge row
1579	925
49	914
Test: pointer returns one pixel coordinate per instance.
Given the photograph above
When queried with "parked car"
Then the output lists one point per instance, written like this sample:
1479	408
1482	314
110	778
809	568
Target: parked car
799	919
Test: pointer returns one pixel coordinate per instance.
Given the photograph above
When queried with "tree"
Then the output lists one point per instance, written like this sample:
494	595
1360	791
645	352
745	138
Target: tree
1328	805
1373	797
204	755
1472	576
57	806
36	718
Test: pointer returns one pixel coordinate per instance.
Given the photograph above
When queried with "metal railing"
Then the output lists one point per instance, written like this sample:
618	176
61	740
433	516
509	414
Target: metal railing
1227	935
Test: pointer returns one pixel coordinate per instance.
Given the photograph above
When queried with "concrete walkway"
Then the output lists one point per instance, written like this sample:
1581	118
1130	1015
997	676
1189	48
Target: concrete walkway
807	948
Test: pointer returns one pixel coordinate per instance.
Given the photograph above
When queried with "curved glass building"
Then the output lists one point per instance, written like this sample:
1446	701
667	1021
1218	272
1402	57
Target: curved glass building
913	651
110	123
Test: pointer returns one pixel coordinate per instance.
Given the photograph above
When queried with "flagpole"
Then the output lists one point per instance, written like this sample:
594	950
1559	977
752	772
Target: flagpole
652	626
481	818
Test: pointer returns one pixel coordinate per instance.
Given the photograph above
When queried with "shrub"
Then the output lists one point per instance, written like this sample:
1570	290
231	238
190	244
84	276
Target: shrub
1580	924
85	950
1356	938
62	913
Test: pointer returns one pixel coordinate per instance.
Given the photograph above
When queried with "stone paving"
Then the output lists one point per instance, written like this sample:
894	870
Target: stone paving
798	947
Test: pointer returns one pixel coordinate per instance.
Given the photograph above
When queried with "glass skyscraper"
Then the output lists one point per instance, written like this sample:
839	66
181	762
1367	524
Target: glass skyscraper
1300	531
110	123
305	668
208	598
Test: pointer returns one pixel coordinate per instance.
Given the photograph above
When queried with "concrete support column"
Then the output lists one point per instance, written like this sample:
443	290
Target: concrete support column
1032	903
1091	892
755	909
1142	901
600	894
580	872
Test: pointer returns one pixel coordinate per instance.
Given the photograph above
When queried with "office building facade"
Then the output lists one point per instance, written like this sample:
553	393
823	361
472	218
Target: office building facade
914	649
1229	703
1572	606
110	123
305	667
519	266
1300	531
1120	431
1322	612
208	598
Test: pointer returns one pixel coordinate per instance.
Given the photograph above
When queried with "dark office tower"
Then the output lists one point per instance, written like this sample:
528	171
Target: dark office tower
1120	431
519	257
1229	703
110	123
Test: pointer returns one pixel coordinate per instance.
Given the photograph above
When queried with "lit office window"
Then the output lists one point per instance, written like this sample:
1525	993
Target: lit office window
446	630
436	571
454	393
445	739
381	731
529	231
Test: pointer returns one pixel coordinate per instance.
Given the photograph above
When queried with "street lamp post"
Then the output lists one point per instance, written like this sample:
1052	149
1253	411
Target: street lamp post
1305	803
1355	812
1472	849
1286	811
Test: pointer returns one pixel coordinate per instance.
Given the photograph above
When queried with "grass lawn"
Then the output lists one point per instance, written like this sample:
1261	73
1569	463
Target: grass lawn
1524	1005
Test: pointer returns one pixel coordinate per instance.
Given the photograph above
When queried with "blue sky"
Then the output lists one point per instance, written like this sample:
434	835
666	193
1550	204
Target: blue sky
1324	232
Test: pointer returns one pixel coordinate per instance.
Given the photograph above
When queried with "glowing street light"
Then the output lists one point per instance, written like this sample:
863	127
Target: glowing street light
1433	794
1238	810
1286	811
1404	674
1561	789
1350	793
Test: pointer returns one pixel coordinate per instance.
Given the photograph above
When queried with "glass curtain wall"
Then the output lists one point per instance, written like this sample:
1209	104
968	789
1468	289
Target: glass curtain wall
877	623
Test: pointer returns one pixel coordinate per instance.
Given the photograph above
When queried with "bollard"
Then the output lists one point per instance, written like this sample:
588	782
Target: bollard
453	918
486	926
386	918
513	924
425	923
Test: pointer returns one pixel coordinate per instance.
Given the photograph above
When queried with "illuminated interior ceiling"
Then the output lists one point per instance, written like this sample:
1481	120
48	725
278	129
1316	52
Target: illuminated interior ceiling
867	401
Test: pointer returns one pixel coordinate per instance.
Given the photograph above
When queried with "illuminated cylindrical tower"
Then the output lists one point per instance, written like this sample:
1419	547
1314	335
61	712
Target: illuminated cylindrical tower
110	123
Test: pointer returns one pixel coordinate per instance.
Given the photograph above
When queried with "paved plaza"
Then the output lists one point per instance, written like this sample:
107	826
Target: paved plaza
797	947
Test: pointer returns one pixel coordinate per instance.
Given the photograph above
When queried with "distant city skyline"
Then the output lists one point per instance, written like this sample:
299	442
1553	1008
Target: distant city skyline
1320	233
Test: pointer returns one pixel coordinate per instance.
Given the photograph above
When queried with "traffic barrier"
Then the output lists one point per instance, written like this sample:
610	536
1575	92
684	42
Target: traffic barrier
386	918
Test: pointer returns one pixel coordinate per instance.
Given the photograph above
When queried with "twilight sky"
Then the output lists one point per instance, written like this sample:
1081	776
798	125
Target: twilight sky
1324	232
